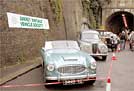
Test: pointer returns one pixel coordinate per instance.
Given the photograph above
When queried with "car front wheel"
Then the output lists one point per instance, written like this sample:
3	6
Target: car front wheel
104	58
48	85
90	82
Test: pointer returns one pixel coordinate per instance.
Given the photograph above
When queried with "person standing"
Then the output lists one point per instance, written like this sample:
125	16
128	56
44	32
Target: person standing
122	40
131	39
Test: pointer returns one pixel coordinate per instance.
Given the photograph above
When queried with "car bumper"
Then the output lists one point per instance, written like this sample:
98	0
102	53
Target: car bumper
60	78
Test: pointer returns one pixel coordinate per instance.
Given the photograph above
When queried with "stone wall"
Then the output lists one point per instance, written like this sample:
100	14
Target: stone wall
72	10
18	45
65	20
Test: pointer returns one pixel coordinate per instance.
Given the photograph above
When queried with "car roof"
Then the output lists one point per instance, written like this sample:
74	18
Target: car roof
61	44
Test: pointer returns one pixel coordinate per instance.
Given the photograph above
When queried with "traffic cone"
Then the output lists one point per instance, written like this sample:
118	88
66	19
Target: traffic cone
114	57
108	84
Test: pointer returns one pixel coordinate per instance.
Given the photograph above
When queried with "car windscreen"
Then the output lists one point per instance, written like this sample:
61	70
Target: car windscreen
61	45
89	36
62	51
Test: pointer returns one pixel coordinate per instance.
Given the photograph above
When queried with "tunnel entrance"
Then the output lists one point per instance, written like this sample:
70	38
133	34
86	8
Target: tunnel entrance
114	23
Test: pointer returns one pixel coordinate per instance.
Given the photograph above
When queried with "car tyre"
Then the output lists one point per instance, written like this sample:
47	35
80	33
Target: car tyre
104	58
90	82
47	86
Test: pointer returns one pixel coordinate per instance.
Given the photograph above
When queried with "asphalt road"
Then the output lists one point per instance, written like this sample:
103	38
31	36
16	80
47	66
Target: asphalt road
122	74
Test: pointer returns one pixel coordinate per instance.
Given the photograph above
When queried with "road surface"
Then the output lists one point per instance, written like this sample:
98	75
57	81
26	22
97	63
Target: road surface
122	74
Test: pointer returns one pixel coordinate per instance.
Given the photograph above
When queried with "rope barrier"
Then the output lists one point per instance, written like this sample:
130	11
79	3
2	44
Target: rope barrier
41	84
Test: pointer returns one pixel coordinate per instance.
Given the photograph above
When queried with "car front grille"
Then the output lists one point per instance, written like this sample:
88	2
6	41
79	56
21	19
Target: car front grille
94	48
71	69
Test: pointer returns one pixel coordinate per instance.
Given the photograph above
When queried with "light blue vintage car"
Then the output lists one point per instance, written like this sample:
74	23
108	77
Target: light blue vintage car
63	62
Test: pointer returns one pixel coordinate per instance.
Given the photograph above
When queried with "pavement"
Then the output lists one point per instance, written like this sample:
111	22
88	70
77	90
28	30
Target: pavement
11	72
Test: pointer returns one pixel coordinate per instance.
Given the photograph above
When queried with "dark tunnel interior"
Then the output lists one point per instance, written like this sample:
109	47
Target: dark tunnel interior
116	24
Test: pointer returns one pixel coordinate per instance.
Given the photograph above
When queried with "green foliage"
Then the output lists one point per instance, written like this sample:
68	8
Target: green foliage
91	10
45	33
21	58
57	10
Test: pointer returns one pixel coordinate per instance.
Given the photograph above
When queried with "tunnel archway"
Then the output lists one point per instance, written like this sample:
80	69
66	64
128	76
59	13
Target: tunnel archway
115	22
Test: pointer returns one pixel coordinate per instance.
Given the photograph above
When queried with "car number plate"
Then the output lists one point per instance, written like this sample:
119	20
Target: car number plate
71	82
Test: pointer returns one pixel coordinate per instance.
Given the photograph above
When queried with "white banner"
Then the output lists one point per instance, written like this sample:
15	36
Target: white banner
23	21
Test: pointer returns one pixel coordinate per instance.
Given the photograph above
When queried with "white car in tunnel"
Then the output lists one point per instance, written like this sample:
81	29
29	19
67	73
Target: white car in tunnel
91	43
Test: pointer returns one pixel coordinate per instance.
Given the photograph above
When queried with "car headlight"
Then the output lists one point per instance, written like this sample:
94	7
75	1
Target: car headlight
93	65
50	67
103	48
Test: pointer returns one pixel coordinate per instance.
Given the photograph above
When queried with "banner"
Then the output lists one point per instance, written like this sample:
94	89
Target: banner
23	21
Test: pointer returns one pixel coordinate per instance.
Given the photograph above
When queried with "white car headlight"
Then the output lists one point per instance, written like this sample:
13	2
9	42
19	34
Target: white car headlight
93	65
50	67
103	48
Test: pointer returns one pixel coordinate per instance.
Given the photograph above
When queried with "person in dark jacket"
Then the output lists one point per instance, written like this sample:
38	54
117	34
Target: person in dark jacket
131	39
122	40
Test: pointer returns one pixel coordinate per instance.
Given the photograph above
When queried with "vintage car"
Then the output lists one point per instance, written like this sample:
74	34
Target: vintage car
91	43
110	39
63	63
